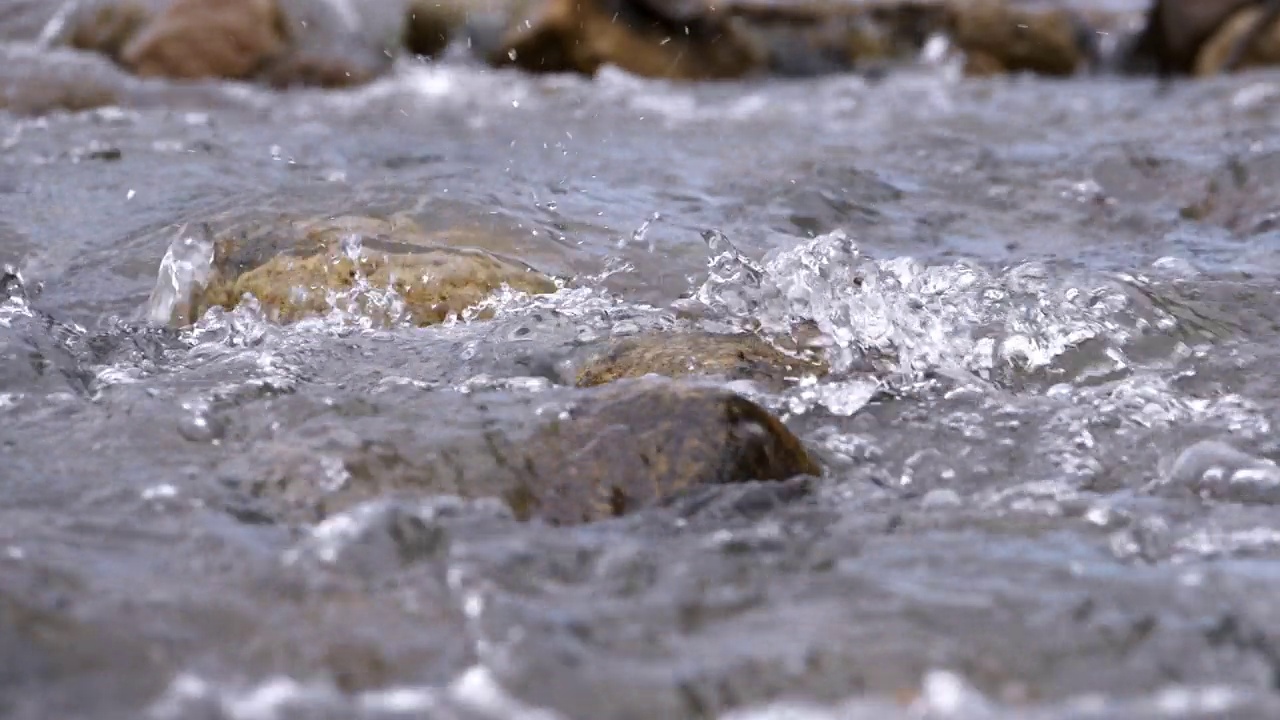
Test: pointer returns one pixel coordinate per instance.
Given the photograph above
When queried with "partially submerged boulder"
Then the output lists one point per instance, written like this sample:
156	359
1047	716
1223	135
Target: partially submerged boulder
1250	37
816	38
337	44
36	83
432	25
197	39
730	357
1174	33
999	37
107	27
612	451
675	39
280	42
305	268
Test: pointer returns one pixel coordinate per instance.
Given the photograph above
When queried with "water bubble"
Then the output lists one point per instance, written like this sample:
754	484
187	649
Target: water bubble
638	235
939	498
198	423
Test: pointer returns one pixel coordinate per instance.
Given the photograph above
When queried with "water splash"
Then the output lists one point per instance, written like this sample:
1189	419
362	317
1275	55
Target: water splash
951	318
184	270
364	303
735	284
55	29
638	235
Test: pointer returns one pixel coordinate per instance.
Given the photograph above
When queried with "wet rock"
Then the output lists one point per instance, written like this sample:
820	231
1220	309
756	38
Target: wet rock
307	268
432	24
1174	33
280	42
615	450
37	84
107	27
650	38
1249	38
999	37
197	39
732	357
811	39
337	44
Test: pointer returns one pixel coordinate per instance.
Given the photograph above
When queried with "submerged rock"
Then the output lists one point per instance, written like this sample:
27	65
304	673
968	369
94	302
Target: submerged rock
53	658
615	450
732	357
306	268
651	38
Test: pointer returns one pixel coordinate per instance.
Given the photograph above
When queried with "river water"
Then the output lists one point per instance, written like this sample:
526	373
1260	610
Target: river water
1065	509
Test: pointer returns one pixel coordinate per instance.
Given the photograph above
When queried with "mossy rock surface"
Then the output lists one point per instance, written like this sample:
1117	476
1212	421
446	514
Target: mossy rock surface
304	268
615	450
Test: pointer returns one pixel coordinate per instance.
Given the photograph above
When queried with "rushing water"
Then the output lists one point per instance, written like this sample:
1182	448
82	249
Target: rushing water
1063	508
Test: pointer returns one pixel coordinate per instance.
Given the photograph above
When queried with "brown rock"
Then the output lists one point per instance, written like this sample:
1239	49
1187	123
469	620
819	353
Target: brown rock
198	39
1249	38
292	267
650	38
998	37
1175	31
619	448
732	357
814	38
108	27
35	83
334	45
432	25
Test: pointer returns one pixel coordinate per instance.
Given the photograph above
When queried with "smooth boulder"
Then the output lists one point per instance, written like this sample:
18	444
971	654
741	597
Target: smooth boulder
108	27
281	43
1249	38
300	268
1174	33
998	37
198	39
803	39
672	39
612	451
337	43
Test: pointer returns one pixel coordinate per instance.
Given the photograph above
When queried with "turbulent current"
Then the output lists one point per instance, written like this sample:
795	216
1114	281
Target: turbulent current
1048	308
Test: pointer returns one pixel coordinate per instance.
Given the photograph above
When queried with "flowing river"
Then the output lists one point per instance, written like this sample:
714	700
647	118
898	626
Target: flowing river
1052	498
